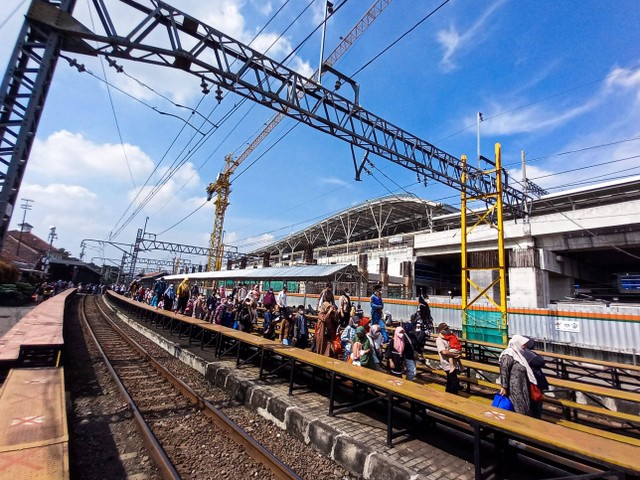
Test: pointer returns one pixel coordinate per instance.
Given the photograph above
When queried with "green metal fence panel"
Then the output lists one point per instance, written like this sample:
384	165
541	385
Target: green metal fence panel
485	326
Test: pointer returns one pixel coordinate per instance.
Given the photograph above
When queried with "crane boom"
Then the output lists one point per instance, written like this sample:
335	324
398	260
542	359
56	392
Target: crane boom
221	188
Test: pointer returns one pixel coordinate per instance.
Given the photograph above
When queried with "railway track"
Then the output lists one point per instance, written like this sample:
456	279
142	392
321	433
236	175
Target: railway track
186	435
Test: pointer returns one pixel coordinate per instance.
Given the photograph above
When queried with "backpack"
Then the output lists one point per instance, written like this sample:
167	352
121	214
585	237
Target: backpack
269	299
300	322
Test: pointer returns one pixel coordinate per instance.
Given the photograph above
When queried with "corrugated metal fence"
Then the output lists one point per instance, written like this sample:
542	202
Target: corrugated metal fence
596	326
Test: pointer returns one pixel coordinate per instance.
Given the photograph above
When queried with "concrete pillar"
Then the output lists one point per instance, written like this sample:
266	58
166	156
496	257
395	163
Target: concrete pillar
363	268
528	283
528	287
407	279
384	275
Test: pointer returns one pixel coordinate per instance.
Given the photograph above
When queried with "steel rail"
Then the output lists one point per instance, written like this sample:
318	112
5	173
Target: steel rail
150	440
256	450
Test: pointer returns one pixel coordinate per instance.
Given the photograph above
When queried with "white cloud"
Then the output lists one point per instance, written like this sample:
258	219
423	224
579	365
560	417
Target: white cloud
185	177
530	119
264	7
507	119
625	78
248	244
276	46
452	42
61	197
62	205
333	181
69	156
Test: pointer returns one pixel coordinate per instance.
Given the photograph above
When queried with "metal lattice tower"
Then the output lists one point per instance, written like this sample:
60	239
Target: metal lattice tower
22	97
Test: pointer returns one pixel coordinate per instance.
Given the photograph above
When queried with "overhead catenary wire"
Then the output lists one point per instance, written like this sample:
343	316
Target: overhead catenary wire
162	182
183	219
392	44
487	118
577	150
11	14
593	165
154	191
288	58
240	121
254	162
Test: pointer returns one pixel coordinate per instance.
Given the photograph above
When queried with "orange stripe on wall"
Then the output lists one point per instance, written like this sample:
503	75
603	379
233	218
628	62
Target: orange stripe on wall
621	317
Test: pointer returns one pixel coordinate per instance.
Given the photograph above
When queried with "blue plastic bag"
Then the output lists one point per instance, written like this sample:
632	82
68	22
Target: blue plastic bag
502	402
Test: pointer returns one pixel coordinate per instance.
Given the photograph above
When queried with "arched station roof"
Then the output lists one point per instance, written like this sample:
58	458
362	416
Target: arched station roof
381	217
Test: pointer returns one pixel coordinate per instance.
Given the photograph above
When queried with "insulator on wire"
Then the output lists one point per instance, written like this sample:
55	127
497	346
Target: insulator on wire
112	63
205	87
218	94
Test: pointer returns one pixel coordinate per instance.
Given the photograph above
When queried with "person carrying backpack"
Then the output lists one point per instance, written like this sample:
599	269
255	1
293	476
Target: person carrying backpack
269	299
301	329
344	308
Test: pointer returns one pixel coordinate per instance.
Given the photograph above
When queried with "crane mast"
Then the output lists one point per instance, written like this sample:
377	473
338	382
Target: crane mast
221	188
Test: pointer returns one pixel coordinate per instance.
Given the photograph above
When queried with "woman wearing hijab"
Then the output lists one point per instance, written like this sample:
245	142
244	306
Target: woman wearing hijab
536	362
516	375
349	333
362	349
395	352
169	297
325	329
375	339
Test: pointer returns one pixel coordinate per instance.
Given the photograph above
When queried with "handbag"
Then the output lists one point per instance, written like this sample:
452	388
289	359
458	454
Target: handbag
535	393
337	346
503	402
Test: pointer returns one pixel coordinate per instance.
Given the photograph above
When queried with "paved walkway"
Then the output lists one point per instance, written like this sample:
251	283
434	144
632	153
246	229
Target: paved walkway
9	316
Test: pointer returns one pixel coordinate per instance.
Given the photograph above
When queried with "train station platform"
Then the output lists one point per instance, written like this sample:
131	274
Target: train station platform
36	338
33	425
359	439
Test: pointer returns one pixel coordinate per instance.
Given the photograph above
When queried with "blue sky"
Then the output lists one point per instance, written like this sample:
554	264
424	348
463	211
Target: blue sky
549	77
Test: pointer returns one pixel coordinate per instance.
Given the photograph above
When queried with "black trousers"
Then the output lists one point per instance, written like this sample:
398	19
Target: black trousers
453	384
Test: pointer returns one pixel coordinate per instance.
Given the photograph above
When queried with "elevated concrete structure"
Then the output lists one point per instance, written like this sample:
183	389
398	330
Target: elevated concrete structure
581	240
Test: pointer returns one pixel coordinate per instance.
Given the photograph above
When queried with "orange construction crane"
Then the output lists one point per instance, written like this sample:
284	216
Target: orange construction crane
221	188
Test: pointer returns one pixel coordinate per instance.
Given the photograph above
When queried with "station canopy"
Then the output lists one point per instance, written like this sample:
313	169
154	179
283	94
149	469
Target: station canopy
381	217
336	273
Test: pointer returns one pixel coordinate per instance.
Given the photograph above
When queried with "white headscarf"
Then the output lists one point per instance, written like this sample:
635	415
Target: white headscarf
514	350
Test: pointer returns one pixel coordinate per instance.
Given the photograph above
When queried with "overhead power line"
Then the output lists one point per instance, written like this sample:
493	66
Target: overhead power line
11	14
386	49
163	181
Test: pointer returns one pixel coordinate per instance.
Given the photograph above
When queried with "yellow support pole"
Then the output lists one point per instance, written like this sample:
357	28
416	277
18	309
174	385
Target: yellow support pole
463	247
475	323
502	263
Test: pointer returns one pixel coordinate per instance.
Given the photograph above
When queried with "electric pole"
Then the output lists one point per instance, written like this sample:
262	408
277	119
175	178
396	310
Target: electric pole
25	206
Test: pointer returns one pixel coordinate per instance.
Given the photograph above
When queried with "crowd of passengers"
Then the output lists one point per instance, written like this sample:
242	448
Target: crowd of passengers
46	290
341	330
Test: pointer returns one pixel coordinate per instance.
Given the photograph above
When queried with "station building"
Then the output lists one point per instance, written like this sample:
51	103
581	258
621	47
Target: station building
582	243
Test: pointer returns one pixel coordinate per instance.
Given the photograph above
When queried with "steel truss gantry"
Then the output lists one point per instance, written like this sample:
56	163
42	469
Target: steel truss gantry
22	97
165	36
146	242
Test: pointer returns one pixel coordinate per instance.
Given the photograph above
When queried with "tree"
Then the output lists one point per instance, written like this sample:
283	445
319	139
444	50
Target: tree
9	273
